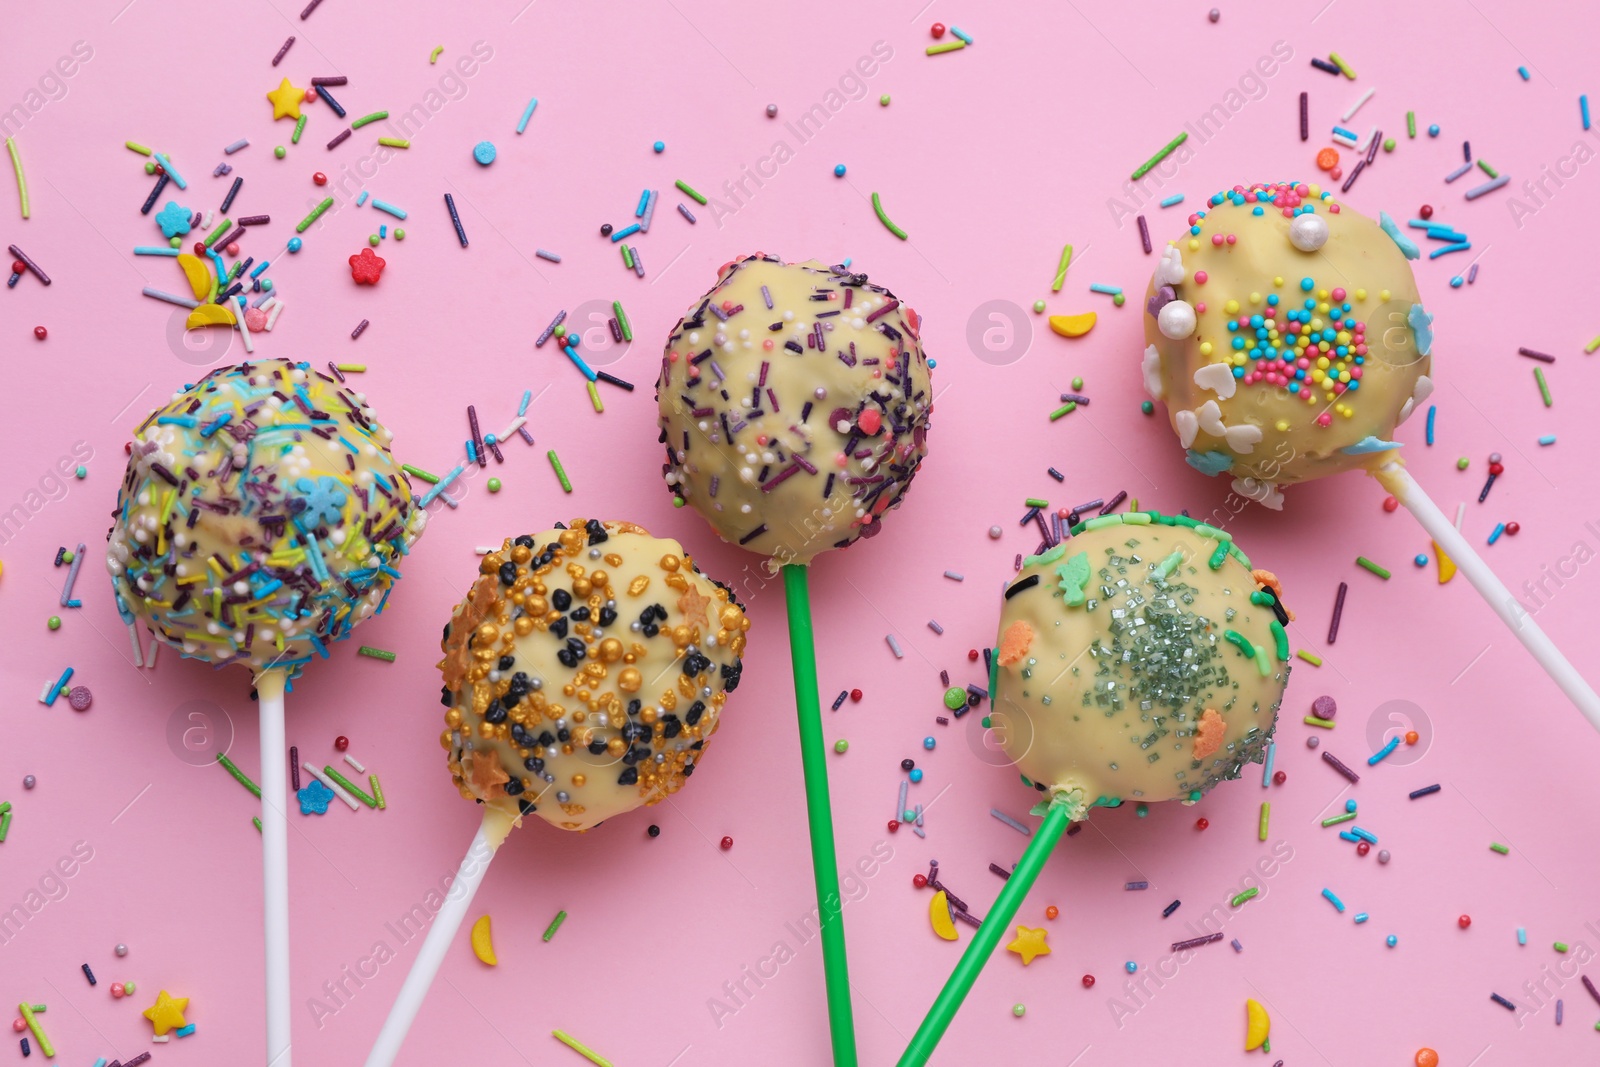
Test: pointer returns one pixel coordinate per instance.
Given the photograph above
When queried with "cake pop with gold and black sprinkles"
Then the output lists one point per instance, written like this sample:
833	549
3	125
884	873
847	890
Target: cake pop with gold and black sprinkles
794	403
1141	659
261	518
585	671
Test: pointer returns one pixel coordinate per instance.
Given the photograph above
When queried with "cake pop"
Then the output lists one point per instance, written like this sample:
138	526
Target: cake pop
793	403
1140	659
261	519
1287	339
1286	336
584	673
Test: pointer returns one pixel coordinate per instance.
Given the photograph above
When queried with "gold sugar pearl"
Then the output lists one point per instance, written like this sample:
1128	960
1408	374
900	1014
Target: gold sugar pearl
444	740
579	780
615	747
524	626
669	562
610	650
630	680
600	579
488	632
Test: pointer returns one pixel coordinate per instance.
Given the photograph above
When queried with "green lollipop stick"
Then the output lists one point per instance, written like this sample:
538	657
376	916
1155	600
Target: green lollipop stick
819	813
983	943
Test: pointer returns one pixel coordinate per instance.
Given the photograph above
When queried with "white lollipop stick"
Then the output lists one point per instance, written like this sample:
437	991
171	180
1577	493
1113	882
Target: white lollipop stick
491	834
275	863
1405	489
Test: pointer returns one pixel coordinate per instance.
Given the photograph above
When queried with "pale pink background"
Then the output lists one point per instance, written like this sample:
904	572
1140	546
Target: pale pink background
991	159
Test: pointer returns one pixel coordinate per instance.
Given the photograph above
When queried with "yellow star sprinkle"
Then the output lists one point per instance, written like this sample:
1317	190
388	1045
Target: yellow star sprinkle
167	1013
1030	942
286	101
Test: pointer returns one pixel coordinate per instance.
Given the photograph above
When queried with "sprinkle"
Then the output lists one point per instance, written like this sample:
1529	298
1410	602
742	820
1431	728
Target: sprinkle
1383	753
1107	290
1495	846
377	791
1170	908
946	46
686	190
1061	269
838	702
877	207
375	653
551	256
1490	171
1333	761
1136	885
1144	235
394	142
1166	150
1248	894
455	219
1502	1001
1195	942
281	53
555	924
340	139
1334	900
1548	439
527	114
166	165
1350	113
376	116
935	627
1544	387
243	779
1065	409
1488	187
686	213
87	973
1344	68
1337	819
1236	946
1411	124
1427	790
1305	129
316	213
580	1048
1310	657
1009	821
1338	613
350	786
22	257
354	763
956	31
1323	64
1175	198
1266	817
1458	172
1312	720
38	1031
72	575
1494	535
555	463
894	646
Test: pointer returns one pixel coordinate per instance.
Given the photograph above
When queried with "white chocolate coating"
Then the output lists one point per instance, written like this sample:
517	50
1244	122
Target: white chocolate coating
1136	691
1308	391
261	518
794	402
584	673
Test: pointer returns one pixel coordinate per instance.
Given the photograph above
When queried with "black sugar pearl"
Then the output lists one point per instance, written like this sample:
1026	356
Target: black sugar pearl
495	714
506	662
508	573
559	627
547	739
525	541
696	710
561	599
655	831
605	229
630	776
907	764
534	764
580	614
608	616
513	787
446	697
